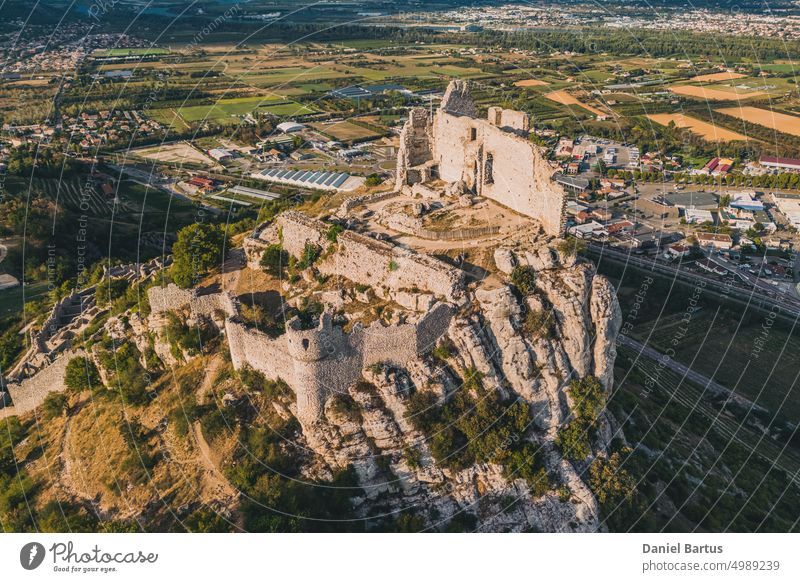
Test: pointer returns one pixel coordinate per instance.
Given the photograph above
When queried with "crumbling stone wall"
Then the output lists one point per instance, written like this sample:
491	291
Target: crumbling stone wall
499	165
380	265
30	393
491	157
322	361
364	260
171	298
414	150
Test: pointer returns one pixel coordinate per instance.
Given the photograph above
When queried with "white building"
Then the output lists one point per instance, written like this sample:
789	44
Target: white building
696	216
290	127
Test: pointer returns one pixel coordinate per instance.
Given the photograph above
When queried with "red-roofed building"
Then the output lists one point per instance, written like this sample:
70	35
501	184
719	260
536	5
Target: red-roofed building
779	163
203	183
620	226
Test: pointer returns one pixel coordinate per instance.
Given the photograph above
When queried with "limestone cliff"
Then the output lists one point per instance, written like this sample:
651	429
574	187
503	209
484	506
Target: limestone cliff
371	426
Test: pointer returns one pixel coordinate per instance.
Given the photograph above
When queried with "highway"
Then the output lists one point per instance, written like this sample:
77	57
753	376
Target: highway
760	295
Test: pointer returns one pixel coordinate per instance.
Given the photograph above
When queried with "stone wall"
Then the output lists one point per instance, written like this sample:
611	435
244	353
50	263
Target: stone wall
499	165
414	147
491	157
364	260
322	361
30	393
171	297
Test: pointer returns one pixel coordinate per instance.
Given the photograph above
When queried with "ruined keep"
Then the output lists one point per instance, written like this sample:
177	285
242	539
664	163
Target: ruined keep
491	157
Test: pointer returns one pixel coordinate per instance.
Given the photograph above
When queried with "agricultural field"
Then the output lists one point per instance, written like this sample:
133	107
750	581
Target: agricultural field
771	119
134	52
564	98
707	131
73	195
715	93
531	83
723	76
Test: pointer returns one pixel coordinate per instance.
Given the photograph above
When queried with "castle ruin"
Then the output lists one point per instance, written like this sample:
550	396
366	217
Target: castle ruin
485	157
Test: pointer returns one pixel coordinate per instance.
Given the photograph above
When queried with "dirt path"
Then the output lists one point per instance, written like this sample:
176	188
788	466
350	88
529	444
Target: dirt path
214	482
67	478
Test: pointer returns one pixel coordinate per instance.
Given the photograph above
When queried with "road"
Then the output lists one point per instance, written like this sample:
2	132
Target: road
753	439
763	295
684	371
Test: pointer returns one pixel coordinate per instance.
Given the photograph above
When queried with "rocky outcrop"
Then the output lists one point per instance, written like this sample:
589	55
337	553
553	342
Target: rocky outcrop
374	435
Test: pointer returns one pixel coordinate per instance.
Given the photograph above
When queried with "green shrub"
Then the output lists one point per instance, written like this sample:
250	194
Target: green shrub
571	247
573	441
538	324
311	253
333	232
524	279
609	482
474	426
344	405
589	399
81	374
54	405
274	260
373	180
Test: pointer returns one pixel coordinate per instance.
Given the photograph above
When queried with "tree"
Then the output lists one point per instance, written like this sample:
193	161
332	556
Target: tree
197	251
609	482
274	260
81	374
573	442
373	180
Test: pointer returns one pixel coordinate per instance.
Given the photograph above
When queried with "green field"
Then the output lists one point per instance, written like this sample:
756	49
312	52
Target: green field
781	68
11	300
230	109
137	52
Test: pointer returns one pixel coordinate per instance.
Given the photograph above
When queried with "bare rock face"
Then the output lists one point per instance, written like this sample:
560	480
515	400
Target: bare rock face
607	319
376	440
489	336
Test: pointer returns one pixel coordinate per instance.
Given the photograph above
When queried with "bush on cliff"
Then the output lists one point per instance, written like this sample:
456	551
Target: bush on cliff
589	399
274	260
610	483
538	324
196	252
524	279
81	374
475	426
311	253
573	441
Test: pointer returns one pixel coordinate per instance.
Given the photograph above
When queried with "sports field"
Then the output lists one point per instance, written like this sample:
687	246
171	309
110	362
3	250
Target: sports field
771	119
344	130
706	130
178	153
230	109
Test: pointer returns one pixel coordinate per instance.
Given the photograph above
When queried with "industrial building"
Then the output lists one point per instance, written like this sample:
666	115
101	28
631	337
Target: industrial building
314	180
